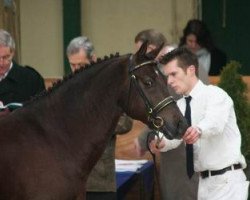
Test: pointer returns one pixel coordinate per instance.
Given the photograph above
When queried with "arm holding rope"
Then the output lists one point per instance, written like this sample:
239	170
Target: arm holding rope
162	144
155	141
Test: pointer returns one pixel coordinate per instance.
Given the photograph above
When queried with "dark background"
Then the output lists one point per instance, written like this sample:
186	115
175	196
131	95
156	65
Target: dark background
234	37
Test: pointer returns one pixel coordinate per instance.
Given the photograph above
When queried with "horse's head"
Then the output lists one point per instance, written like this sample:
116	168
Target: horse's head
149	98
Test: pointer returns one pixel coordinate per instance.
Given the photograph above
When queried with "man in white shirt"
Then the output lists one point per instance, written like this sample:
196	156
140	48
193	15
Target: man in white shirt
213	132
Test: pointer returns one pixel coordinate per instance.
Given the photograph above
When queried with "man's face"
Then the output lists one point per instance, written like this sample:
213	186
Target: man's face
177	78
78	60
6	56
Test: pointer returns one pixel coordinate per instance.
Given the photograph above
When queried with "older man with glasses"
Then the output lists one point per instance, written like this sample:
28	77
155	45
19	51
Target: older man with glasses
17	83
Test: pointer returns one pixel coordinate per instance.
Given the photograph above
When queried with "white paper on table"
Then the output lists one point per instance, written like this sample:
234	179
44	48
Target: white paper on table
128	165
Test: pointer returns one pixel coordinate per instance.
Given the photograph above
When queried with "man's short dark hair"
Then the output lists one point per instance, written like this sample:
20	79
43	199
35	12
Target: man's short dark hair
184	57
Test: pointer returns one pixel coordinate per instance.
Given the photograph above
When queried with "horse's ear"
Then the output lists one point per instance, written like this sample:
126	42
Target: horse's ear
153	54
143	49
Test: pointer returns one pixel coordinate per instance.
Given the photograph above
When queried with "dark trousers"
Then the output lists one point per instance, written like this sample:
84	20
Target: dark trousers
100	196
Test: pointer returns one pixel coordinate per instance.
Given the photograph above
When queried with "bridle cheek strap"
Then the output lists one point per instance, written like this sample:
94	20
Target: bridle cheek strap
156	120
152	112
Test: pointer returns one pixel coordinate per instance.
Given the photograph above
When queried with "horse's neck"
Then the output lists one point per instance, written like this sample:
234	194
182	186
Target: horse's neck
85	111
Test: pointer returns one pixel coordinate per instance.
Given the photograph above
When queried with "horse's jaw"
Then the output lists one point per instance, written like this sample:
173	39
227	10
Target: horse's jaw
174	132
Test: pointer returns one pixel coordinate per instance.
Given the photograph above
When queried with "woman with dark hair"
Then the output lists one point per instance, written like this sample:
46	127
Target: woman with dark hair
196	37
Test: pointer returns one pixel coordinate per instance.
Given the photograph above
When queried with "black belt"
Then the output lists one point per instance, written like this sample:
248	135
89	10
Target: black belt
206	173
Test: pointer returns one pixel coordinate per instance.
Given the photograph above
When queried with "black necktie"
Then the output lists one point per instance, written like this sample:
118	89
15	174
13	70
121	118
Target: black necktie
189	147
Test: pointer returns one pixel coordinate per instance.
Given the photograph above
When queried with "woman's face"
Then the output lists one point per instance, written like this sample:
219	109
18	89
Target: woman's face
192	44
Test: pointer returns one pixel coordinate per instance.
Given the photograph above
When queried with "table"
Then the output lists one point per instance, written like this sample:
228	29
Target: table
139	183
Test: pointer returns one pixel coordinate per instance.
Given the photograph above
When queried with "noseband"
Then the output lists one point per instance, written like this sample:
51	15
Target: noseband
152	110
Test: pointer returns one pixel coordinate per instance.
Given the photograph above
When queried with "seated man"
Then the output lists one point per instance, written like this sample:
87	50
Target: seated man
17	83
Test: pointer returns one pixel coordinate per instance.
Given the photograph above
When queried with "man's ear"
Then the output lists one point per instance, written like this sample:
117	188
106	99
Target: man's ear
192	69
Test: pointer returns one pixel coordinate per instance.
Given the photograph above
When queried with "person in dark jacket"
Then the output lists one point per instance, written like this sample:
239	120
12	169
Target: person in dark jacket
17	83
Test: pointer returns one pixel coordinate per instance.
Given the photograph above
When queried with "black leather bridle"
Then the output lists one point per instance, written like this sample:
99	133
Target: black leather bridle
152	110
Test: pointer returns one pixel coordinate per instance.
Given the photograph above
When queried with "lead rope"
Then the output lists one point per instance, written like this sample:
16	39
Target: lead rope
151	136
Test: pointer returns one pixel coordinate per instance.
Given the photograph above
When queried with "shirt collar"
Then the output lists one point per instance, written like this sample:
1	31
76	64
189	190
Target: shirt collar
196	90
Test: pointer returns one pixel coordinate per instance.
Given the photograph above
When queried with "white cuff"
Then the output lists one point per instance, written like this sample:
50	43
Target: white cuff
170	144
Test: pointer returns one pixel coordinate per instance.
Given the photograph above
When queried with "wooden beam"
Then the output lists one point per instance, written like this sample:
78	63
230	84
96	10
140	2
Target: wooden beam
71	26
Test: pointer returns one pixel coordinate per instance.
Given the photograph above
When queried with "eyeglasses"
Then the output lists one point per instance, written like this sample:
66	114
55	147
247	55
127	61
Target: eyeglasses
6	58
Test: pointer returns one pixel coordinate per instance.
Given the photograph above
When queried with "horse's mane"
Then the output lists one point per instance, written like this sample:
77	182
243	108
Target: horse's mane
71	75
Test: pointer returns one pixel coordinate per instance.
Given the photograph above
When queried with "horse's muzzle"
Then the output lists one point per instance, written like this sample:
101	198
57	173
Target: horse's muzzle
171	132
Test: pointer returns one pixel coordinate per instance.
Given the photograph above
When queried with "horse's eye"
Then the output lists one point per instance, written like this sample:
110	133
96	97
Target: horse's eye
149	83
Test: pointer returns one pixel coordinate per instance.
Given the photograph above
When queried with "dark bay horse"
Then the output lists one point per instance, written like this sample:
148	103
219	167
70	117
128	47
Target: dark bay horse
48	147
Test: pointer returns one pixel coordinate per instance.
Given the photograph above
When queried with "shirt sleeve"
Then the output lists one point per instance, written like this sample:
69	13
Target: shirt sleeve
217	113
169	144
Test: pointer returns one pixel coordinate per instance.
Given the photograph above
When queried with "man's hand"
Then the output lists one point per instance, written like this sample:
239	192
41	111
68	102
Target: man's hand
191	135
156	145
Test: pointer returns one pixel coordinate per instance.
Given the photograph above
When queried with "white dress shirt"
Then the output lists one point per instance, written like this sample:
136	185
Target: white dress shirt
212	111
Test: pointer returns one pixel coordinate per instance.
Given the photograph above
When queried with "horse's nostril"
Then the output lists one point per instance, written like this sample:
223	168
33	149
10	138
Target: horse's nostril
168	134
